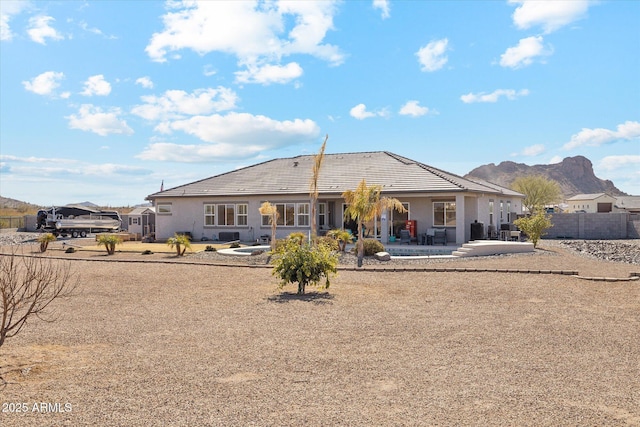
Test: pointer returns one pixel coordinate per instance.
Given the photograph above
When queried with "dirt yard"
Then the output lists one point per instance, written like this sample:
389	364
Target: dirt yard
166	341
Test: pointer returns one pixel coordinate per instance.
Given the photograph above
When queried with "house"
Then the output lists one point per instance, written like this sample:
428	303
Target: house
227	204
591	203
629	204
141	220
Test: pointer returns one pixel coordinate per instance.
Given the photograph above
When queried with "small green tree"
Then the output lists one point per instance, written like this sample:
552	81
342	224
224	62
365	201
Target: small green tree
534	226
538	190
298	237
271	211
365	204
180	242
304	264
109	241
44	241
342	236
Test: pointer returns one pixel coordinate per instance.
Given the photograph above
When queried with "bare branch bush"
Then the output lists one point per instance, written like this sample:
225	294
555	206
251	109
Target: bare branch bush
28	285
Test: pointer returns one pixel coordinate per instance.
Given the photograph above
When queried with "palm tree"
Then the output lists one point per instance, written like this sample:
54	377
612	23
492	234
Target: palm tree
365	204
314	188
272	211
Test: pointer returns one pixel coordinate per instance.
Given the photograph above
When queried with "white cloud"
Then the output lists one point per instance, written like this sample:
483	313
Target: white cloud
270	31
413	108
360	112
626	131
39	29
176	104
531	151
93	119
32	159
616	162
524	53
550	15
384	7
198	153
623	170
7	11
45	83
268	74
95	30
432	56
96	85
235	135
493	96
555	159
244	129
145	82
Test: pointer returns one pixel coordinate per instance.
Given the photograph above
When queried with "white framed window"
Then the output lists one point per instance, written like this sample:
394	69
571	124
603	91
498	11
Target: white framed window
225	214
508	210
164	209
322	214
290	215
444	214
242	212
209	215
490	212
303	214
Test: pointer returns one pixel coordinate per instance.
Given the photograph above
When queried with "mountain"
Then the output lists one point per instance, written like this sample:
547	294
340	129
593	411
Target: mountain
574	174
8	203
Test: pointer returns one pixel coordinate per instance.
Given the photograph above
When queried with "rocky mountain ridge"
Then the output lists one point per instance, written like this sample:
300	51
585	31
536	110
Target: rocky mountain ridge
574	174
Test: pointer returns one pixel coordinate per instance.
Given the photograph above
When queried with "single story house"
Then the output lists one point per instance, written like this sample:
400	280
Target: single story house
629	204
591	203
141	220
226	206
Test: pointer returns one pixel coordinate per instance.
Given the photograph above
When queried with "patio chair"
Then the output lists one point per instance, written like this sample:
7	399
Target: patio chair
440	236
405	237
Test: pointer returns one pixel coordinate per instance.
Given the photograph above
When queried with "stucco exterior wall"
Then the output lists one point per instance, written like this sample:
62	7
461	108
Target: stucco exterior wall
187	215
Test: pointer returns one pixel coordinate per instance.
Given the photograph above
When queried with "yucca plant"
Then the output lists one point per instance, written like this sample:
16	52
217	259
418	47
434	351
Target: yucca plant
109	241
180	242
44	240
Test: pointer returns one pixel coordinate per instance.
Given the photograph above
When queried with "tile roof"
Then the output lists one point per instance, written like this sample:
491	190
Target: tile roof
591	196
339	172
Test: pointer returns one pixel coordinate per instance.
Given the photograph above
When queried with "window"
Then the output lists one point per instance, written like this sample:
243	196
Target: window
242	214
225	214
501	210
290	215
164	209
444	214
508	210
303	214
209	214
490	212
322	215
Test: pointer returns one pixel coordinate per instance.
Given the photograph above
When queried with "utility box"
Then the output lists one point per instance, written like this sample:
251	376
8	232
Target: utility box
477	231
410	225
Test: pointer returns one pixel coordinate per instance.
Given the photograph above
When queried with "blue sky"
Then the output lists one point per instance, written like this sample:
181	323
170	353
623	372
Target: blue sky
103	101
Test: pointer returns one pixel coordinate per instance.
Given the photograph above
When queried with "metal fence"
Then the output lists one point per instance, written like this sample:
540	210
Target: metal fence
11	221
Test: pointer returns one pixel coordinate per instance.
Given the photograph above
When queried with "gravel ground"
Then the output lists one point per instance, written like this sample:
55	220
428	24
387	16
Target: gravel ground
183	342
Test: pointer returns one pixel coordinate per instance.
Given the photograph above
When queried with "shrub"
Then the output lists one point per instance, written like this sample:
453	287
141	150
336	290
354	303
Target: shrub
44	240
147	252
70	250
181	242
109	241
534	226
342	237
298	237
234	245
372	246
330	242
209	248
304	264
